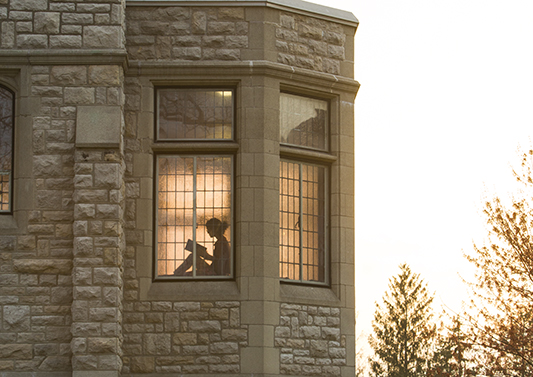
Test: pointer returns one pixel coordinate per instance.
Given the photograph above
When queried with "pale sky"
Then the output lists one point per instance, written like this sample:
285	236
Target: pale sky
446	97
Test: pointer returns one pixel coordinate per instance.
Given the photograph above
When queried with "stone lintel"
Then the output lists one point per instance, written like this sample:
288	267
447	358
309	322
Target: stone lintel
98	126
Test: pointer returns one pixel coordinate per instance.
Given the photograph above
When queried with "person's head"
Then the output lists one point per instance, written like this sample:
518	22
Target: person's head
215	227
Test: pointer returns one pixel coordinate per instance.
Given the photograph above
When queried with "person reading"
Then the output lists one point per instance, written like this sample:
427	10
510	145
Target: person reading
220	260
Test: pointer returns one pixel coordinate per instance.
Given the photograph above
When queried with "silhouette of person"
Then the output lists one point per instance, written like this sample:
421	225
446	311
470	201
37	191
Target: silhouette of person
221	253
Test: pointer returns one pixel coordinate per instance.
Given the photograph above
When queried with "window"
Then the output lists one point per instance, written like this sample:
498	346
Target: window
303	196
304	121
7	100
194	209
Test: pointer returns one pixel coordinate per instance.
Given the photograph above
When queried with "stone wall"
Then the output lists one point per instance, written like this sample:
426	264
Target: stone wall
77	295
310	340
308	42
183	337
179	33
43	24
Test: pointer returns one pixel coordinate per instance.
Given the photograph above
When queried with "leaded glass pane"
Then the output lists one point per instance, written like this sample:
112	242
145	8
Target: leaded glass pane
302	221
6	148
303	121
194	216
205	114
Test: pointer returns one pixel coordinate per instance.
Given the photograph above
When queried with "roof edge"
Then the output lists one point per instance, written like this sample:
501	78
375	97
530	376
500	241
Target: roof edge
300	6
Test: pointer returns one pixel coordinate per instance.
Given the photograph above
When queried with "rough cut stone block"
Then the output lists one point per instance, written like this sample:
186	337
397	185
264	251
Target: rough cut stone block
65	41
198	23
68	75
102	37
8	34
16	351
142	364
29	5
156	344
98	126
16	318
105	74
204	326
224	347
79	96
46	22
232	13
32	41
106	276
42	266
102	345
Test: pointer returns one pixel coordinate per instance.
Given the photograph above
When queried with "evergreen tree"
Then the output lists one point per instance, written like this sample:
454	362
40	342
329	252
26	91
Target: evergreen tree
403	329
449	357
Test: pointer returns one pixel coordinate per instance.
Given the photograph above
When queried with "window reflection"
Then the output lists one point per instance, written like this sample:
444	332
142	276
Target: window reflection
195	114
194	216
6	148
303	121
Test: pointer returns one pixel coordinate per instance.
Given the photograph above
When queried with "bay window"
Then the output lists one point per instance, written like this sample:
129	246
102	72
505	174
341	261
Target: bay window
194	204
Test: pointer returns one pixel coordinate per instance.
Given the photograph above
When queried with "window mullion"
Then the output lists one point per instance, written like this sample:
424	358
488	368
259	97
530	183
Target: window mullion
194	225
300	214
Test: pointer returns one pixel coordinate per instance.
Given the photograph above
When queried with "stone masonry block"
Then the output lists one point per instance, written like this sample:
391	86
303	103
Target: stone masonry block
105	75
79	96
204	326
30	5
102	37
16	318
46	22
31	41
68	75
65	41
98	126
8	34
107	175
102	345
156	344
16	351
107	276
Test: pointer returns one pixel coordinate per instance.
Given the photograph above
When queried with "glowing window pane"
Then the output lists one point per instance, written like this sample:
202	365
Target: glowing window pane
302	222
194	114
303	121
194	216
6	149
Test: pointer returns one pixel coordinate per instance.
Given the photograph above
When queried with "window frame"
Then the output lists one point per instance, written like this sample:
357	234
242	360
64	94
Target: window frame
11	173
194	147
318	157
326	227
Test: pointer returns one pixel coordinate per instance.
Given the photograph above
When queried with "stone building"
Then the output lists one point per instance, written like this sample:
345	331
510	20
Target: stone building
176	188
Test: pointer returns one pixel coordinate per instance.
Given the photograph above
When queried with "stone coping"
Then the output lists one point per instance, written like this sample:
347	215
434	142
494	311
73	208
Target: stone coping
64	57
298	6
222	69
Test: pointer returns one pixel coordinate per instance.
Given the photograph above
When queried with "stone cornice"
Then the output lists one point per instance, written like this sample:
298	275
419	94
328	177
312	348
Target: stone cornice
172	72
294	6
63	57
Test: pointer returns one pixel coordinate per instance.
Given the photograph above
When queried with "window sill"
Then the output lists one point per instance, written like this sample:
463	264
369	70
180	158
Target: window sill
295	152
196	146
307	294
215	290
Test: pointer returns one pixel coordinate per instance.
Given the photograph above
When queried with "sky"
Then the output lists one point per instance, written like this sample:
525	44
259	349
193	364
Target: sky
446	99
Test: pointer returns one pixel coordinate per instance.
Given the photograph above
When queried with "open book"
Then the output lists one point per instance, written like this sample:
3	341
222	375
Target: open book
201	250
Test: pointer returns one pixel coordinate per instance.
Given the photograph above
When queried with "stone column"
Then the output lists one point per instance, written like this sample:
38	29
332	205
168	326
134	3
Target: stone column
99	242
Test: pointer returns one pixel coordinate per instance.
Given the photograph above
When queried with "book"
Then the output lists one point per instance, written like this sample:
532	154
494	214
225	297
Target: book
200	249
